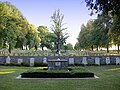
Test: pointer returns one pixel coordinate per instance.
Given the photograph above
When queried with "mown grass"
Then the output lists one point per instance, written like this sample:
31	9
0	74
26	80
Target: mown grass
109	79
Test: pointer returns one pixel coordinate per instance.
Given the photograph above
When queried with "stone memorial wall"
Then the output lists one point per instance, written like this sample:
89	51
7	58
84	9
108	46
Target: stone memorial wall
98	60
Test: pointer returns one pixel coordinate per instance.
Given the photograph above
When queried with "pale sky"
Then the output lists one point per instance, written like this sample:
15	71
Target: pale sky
39	12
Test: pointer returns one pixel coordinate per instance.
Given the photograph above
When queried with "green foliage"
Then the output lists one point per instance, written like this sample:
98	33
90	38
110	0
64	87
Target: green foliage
84	38
40	64
95	34
44	33
115	30
104	6
57	28
68	46
25	64
15	31
71	73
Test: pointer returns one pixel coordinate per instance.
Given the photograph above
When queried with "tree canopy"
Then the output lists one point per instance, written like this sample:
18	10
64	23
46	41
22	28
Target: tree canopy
104	6
58	29
15	29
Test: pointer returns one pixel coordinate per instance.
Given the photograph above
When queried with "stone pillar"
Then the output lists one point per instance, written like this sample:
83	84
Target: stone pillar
8	60
107	60
32	62
117	60
44	60
71	60
84	61
19	61
97	60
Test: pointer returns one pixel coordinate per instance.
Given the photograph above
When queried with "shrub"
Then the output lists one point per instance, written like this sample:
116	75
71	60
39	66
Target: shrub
56	75
12	64
25	64
79	64
38	64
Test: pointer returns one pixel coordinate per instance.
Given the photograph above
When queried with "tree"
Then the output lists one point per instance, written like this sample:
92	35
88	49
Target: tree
57	27
104	6
103	25
21	37
115	31
77	47
69	46
84	38
8	33
43	35
10	18
32	36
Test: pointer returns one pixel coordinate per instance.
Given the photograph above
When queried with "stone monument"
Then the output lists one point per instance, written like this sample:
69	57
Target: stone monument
107	60
20	61
117	60
97	60
32	62
84	61
8	60
71	60
58	64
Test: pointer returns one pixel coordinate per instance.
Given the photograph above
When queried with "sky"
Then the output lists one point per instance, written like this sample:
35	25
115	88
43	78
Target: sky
39	12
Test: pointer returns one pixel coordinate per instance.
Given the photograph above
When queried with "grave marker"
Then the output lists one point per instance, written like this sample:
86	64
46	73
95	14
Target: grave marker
32	61
84	61
8	60
117	60
107	60
20	61
44	60
71	60
97	60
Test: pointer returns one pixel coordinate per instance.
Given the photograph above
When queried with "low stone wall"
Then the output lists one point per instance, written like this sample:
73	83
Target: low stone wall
99	60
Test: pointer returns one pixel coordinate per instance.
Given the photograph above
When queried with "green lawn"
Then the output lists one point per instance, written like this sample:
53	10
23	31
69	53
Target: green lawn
109	79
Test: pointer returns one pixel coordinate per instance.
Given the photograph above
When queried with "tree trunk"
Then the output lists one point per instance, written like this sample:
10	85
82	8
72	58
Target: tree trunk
97	47
26	47
107	48
58	45
118	48
92	47
9	49
42	48
22	47
36	47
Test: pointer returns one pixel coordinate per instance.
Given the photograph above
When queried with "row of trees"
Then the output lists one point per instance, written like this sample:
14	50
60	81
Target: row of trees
17	32
102	32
